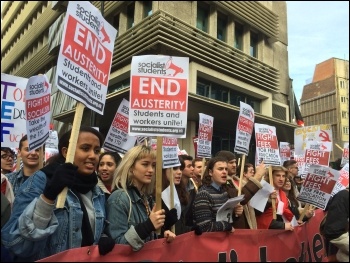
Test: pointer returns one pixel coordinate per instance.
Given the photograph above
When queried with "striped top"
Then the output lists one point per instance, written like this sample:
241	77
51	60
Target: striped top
206	204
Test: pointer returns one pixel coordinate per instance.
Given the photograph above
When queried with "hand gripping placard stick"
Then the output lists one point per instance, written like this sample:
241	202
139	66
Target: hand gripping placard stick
272	200
241	176
71	148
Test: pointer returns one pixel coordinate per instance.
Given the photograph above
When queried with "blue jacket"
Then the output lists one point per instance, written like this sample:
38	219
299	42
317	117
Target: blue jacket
31	236
120	227
16	179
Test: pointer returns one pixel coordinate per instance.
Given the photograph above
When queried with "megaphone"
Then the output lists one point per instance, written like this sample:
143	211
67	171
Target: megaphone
105	36
171	65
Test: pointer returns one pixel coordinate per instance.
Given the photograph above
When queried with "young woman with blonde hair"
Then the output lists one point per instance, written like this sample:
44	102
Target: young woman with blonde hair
131	211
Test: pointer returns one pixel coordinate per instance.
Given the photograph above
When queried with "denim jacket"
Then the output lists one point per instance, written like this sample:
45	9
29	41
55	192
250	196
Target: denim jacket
16	179
29	242
120	228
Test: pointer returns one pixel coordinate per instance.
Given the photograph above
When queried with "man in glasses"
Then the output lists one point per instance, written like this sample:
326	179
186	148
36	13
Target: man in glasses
298	181
30	160
7	160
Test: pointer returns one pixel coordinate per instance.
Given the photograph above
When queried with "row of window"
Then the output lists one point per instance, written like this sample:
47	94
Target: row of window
203	12
221	93
202	23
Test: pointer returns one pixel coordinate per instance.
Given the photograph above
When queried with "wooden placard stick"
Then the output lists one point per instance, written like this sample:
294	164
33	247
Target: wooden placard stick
241	176
18	163
172	200
61	199
203	167
239	161
41	157
272	200
159	167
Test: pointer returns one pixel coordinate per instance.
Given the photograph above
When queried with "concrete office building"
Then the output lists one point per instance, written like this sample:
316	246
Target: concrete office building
326	100
237	52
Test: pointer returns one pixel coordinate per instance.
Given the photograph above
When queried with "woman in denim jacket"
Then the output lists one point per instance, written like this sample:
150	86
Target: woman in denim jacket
131	211
36	228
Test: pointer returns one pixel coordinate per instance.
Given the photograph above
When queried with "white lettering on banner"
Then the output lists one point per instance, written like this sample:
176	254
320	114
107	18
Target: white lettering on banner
100	54
149	85
158	104
320	179
265	137
204	128
38	113
315	153
83	60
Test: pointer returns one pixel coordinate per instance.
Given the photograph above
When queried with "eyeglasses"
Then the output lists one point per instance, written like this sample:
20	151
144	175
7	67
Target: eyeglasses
6	156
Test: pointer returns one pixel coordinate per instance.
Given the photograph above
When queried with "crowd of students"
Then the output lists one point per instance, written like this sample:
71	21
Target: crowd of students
111	200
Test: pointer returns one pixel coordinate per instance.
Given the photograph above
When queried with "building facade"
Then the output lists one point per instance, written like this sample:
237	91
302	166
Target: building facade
237	52
326	100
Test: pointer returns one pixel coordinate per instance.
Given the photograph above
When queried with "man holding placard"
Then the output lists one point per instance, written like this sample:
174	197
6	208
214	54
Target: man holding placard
266	220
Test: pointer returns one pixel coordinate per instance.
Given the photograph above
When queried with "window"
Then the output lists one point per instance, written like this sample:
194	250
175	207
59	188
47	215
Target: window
345	130
254	44
202	89
119	85
202	16
254	103
342	84
147	8
130	13
222	27
343	99
115	23
238	42
221	93
344	114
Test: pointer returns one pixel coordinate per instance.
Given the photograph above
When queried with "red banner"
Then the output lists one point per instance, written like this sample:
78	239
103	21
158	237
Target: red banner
304	244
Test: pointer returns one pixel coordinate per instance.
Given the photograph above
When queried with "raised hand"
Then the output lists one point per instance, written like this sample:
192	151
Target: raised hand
260	171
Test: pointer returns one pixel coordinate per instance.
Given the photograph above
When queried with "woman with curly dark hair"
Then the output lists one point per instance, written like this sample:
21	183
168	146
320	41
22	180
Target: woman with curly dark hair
293	204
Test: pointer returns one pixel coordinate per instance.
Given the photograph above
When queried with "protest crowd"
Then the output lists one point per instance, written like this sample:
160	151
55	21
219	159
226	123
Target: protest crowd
111	199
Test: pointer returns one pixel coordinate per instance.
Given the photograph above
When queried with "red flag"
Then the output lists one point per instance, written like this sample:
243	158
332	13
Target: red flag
298	117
